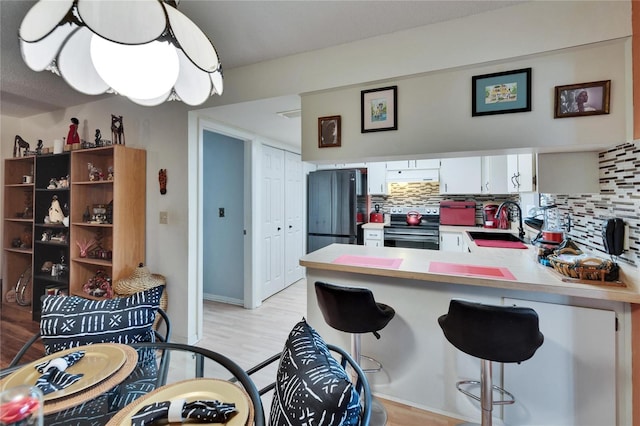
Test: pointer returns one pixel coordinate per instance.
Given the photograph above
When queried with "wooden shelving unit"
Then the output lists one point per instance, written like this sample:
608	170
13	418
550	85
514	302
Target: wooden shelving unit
18	229
120	190
122	234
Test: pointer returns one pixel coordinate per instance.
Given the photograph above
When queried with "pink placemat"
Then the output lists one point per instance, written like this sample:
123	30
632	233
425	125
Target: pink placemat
500	244
374	262
471	270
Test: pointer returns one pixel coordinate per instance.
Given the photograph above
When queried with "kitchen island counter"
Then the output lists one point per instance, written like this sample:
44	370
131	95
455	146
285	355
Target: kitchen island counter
415	264
588	331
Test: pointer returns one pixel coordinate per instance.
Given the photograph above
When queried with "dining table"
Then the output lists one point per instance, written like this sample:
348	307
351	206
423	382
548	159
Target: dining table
119	380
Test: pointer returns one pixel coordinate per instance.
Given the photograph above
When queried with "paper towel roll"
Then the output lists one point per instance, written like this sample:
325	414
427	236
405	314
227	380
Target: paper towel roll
57	146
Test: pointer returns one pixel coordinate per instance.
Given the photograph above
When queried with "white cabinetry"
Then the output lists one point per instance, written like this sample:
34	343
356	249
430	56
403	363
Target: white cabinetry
521	173
494	174
373	237
571	379
451	241
413	164
332	166
377	178
460	175
568	173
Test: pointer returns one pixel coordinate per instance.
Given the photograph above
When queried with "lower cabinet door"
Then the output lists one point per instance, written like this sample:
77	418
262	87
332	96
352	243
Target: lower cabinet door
571	379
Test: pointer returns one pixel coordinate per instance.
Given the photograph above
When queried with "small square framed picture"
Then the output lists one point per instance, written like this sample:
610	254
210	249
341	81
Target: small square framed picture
576	100
329	131
379	110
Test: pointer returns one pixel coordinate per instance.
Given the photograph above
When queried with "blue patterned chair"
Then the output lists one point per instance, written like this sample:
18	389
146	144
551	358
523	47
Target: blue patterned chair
313	387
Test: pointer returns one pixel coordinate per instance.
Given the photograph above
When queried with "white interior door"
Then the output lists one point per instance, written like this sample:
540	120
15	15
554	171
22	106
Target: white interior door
273	232
293	212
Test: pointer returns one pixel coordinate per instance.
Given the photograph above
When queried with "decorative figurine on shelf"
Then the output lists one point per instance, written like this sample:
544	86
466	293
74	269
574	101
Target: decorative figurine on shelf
86	216
98	137
39	147
55	211
94	172
117	129
110	173
20	147
73	136
85	245
99	285
53	183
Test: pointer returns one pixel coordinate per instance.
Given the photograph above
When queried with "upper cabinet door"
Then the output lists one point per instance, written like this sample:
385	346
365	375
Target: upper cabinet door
377	178
461	175
521	173
494	174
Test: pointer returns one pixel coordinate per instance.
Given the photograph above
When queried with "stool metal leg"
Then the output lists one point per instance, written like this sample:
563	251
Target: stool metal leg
486	394
378	412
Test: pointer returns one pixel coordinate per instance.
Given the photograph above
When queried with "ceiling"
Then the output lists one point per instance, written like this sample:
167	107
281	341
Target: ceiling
244	33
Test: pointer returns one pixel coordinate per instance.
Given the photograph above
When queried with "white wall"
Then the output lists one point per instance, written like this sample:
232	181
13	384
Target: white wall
434	111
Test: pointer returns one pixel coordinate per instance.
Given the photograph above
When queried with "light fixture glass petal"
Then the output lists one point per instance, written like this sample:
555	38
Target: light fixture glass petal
152	102
40	54
143	71
195	44
127	22
193	85
43	18
76	67
216	79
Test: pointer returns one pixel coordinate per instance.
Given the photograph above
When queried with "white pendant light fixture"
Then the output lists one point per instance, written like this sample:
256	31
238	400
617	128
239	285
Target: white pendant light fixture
145	50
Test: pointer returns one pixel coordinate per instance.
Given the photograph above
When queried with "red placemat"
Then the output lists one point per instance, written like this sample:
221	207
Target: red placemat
374	262
500	244
471	270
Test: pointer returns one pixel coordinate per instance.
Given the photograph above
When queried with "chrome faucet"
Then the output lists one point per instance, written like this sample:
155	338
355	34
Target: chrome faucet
520	228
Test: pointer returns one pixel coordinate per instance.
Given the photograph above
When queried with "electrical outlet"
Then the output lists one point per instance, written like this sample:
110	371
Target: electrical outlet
164	218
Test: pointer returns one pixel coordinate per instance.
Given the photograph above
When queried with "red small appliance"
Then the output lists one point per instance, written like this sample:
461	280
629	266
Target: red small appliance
489	216
458	213
377	216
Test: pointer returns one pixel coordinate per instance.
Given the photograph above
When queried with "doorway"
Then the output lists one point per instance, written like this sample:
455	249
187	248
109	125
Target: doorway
223	231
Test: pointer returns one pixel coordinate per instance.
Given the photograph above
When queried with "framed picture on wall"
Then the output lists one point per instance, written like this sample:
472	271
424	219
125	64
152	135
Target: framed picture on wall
576	100
379	110
501	92
329	131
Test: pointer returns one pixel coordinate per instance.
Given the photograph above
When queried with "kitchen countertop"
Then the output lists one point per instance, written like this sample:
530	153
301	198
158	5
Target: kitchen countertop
415	264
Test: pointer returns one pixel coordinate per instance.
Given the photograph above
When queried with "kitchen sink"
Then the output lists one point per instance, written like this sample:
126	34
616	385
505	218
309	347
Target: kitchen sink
494	236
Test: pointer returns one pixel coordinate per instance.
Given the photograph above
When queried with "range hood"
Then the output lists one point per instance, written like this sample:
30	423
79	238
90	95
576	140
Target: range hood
413	175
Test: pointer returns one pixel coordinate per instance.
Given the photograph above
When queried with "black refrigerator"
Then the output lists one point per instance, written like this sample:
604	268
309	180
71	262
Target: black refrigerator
333	198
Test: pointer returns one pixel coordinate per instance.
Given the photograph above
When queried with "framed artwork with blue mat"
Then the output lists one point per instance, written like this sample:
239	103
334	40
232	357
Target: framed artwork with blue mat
501	93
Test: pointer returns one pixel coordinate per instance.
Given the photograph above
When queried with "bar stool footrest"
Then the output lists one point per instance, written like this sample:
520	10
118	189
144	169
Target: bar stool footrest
502	391
377	368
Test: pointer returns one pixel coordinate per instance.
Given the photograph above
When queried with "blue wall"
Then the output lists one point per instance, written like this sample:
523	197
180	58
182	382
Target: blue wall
223	239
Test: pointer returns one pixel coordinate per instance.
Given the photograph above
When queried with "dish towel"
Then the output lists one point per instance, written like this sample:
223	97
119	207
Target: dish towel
178	410
54	377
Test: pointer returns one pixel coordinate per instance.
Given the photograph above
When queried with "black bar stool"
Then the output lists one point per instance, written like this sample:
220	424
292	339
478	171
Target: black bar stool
492	333
354	310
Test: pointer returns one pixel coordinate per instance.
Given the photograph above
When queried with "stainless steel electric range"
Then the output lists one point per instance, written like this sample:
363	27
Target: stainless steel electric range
425	235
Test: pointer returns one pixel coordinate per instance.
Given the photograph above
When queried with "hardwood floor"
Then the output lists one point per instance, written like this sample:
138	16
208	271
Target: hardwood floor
248	336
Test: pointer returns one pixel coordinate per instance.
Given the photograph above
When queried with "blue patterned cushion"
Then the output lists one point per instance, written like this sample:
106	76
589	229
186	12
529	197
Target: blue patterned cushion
70	321
312	388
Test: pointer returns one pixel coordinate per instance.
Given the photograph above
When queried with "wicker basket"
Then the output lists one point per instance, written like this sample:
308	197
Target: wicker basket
141	279
585	268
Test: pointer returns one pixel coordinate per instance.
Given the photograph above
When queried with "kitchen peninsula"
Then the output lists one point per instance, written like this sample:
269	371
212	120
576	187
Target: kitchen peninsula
581	375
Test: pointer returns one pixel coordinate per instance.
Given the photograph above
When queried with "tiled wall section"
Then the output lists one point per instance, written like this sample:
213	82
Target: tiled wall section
420	194
619	197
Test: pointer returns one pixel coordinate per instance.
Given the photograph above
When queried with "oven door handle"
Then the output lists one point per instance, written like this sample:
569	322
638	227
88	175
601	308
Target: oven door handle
417	238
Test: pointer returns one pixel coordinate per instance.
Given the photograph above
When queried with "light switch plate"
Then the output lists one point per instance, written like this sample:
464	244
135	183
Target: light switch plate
164	218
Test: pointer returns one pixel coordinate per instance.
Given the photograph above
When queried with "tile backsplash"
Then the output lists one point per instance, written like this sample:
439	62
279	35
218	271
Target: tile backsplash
420	194
619	197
